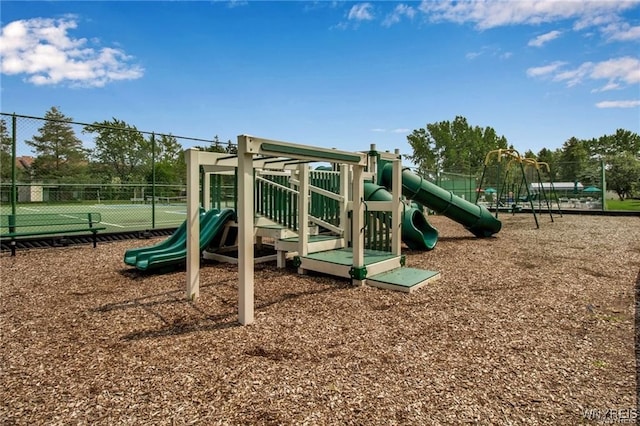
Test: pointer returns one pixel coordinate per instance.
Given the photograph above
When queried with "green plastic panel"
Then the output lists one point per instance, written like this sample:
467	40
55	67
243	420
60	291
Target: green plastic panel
405	277
299	151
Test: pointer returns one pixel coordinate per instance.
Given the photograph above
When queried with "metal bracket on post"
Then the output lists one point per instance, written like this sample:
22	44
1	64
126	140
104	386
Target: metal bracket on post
358	273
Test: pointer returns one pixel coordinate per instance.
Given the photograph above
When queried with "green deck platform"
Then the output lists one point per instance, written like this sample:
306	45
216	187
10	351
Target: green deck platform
339	262
403	279
345	256
383	269
312	238
316	243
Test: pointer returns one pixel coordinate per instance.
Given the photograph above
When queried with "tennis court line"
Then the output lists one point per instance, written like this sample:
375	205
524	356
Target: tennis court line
29	209
105	223
112	224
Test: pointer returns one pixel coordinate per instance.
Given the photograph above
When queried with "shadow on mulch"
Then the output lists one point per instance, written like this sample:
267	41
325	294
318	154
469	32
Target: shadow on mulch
182	325
135	274
463	238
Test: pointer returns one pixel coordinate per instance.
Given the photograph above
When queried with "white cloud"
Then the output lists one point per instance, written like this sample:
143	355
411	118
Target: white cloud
545	69
621	31
399	12
617	72
544	38
489	14
361	12
472	55
398	130
574	76
42	50
618	104
236	3
625	69
607	87
491	51
340	26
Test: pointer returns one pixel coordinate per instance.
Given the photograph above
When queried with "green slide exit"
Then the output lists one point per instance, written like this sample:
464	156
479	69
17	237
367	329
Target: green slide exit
477	219
417	232
173	250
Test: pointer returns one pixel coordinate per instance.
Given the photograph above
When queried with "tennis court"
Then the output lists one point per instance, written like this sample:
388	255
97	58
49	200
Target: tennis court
115	217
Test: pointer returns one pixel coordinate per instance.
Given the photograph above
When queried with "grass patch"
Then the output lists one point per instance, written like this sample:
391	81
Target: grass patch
633	205
599	364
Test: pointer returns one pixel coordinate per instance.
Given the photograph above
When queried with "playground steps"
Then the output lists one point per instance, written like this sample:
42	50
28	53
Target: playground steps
316	243
266	223
383	269
277	232
403	279
339	262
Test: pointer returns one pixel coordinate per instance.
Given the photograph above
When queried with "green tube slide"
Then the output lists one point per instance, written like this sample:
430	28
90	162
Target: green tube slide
477	219
131	255
417	233
174	249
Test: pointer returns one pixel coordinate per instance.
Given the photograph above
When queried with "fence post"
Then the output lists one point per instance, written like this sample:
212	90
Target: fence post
603	185
153	180
14	189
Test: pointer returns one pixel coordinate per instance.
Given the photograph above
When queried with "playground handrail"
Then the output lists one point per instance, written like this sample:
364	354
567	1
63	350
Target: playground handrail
281	217
276	185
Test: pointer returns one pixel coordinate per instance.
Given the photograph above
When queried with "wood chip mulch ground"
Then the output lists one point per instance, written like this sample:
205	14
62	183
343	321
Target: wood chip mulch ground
533	326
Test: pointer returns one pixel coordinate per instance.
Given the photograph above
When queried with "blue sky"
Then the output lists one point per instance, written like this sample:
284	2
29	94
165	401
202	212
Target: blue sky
328	73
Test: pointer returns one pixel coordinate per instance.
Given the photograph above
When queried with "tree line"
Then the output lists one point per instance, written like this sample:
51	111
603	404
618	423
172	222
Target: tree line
457	146
122	154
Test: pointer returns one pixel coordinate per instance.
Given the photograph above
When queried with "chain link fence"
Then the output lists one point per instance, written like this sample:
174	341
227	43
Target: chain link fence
135	179
579	185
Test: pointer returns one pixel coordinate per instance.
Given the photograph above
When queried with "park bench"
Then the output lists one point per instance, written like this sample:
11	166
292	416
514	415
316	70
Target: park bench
19	226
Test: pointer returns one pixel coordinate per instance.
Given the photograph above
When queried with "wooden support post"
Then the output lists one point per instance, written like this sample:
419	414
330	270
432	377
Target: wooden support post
396	206
303	212
193	225
245	232
373	162
358	220
344	205
206	191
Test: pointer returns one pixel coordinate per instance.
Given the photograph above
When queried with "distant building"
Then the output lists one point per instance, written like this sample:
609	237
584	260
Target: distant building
560	187
25	162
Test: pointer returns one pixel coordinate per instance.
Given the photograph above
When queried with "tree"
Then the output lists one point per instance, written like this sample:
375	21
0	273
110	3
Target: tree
170	167
59	152
121	152
551	159
573	159
623	174
215	146
424	154
619	142
5	151
231	148
168	148
453	146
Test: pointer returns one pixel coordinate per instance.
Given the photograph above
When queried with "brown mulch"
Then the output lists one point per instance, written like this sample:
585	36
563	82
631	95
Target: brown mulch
533	326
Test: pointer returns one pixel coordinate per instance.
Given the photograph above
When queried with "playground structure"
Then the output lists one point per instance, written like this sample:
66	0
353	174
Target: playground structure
347	219
513	190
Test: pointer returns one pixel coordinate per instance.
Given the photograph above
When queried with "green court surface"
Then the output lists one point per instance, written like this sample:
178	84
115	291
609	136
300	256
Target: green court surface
115	217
